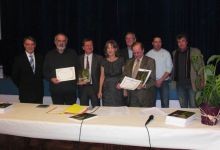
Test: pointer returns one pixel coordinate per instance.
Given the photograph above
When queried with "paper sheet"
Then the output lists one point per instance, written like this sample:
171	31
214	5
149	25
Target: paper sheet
152	111
66	74
112	111
129	83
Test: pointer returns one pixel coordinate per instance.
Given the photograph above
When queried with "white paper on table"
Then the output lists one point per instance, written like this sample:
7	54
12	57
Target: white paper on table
152	111
129	83
66	74
112	111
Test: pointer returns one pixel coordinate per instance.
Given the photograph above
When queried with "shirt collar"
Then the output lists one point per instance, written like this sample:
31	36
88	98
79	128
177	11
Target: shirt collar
89	55
28	54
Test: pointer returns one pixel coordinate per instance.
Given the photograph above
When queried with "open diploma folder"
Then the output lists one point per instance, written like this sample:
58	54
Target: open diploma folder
131	84
66	74
143	75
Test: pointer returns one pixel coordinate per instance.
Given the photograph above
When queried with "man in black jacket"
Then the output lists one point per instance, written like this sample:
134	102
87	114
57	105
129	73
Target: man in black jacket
62	92
126	53
88	90
27	73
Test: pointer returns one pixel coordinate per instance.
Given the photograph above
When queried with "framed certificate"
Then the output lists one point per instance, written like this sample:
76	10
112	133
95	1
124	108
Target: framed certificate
66	74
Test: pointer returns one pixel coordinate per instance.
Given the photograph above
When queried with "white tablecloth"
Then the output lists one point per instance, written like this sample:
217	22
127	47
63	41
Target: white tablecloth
124	126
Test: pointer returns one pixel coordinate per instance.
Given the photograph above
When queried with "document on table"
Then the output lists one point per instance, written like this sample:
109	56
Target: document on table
129	83
112	111
66	74
152	111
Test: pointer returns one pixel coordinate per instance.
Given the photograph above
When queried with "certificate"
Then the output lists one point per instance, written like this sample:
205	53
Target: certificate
66	74
130	83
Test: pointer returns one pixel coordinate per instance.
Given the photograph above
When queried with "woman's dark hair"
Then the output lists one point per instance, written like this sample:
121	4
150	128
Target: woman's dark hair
114	45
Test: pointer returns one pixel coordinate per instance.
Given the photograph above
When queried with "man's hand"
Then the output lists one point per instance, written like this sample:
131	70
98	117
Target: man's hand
141	86
118	86
158	83
82	82
54	80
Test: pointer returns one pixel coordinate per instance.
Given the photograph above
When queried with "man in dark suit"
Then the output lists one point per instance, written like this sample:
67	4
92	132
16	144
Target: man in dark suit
126	53
27	73
144	95
62	92
88	90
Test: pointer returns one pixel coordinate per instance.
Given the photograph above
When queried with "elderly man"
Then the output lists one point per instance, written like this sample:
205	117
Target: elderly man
127	53
144	95
61	57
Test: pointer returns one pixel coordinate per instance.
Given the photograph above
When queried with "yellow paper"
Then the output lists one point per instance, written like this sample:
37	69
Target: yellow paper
75	109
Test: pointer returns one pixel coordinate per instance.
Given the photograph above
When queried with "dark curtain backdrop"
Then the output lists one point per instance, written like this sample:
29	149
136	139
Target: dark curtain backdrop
102	20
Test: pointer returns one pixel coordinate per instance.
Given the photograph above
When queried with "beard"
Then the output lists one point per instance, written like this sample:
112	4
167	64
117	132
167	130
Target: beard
61	48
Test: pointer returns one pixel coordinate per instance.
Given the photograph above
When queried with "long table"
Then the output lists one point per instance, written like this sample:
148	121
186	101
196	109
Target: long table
114	125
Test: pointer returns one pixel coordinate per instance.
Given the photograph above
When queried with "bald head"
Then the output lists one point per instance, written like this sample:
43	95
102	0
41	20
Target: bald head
60	41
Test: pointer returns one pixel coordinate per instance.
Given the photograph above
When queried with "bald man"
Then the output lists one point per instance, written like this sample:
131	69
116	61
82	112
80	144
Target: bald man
61	57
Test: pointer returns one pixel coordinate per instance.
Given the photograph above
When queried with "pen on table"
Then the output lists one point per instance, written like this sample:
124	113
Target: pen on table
51	109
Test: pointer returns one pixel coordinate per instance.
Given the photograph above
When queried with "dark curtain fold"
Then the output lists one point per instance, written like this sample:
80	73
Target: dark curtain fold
102	20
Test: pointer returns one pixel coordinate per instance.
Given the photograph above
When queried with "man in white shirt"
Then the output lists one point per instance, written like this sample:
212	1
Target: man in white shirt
163	69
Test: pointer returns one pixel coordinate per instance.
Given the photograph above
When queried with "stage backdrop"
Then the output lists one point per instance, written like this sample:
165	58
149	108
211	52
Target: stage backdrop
108	19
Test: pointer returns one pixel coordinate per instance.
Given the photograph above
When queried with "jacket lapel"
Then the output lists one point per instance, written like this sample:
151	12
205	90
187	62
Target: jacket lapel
93	64
131	67
82	61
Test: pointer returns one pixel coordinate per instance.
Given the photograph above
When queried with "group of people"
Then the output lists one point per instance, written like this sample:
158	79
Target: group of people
106	73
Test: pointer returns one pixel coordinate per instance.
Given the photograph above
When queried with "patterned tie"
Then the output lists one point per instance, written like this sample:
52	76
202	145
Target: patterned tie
136	68
32	62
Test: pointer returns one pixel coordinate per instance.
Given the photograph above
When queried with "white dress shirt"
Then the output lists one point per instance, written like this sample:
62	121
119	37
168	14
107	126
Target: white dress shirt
163	61
130	53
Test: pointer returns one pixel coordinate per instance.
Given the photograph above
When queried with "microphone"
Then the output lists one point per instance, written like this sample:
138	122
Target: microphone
151	117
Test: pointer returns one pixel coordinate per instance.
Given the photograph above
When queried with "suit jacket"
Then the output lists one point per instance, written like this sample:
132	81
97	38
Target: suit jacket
95	70
193	74
124	53
30	85
145	95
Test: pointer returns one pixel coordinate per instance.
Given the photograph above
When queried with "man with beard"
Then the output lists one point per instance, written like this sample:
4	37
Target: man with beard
61	57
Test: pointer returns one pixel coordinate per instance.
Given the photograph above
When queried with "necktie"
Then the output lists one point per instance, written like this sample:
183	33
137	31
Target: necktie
87	62
87	67
32	62
135	69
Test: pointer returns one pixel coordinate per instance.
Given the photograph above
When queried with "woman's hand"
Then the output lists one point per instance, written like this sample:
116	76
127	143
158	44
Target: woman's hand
100	95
